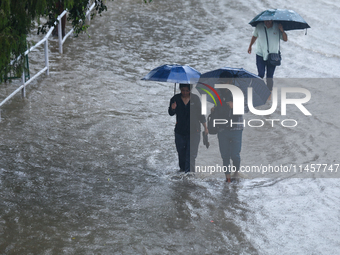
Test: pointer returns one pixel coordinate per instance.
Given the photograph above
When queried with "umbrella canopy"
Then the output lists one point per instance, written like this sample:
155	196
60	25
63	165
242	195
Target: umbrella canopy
289	19
173	73
239	77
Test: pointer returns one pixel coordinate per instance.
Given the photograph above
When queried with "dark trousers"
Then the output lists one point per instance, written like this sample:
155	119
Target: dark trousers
230	142
187	148
261	68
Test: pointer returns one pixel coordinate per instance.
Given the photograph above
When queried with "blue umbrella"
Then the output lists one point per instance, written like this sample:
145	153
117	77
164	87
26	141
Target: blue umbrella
239	77
174	73
289	19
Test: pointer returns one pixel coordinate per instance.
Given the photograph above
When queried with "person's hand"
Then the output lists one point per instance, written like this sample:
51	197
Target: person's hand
173	105
212	109
281	28
249	50
206	131
230	103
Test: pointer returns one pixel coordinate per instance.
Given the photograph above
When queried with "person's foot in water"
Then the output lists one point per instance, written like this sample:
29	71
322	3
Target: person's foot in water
269	98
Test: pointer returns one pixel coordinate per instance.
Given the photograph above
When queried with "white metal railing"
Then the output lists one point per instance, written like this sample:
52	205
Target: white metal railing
61	41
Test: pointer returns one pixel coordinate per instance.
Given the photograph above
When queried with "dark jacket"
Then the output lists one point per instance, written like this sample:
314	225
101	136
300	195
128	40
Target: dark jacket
188	117
225	112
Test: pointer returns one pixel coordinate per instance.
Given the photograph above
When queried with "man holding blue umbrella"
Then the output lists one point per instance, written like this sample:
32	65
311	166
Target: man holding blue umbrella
187	108
267	35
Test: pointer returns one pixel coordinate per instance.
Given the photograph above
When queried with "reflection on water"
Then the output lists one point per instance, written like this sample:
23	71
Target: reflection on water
88	161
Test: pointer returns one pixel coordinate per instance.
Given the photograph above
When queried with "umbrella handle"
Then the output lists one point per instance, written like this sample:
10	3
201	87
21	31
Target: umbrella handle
175	89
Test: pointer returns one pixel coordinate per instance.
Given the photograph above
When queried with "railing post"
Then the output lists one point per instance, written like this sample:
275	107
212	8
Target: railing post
88	7
23	90
60	36
46	57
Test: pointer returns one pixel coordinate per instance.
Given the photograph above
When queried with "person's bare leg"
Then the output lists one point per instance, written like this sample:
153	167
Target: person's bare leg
228	178
270	97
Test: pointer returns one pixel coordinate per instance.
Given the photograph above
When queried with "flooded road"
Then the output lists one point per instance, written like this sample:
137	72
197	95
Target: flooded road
88	163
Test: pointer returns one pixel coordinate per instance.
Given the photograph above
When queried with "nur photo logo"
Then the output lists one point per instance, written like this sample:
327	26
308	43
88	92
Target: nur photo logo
239	104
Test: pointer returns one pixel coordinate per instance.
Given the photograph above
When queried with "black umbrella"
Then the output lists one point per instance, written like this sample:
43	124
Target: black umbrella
239	77
289	19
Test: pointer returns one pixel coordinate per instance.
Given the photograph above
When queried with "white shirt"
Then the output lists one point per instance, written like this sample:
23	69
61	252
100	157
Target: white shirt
274	34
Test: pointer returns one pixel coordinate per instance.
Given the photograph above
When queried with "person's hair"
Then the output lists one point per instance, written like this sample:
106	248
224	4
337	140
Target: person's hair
183	85
225	92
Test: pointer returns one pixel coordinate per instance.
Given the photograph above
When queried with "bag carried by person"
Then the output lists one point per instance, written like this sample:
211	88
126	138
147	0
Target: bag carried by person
273	58
222	113
212	130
